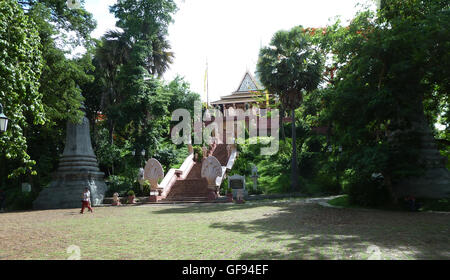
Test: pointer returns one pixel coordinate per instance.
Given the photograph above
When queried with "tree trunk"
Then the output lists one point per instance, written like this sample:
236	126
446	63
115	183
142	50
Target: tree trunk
283	135
111	141
294	166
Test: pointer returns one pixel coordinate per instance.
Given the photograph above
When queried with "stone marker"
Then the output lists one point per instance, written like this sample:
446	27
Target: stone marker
255	177
237	183
240	196
78	169
140	178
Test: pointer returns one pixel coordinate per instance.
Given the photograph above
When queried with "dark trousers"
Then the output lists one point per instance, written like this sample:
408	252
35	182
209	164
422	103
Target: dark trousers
84	205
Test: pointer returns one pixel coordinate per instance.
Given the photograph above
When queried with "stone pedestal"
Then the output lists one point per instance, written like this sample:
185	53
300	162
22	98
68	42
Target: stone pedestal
77	170
435	182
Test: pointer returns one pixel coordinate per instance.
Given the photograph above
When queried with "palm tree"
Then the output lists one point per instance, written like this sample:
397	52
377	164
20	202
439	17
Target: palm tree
160	59
112	52
289	67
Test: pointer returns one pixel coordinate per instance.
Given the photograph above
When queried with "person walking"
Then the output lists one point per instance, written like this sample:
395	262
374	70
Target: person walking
86	202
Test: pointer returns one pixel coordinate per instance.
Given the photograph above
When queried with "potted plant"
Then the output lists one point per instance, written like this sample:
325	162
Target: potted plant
131	197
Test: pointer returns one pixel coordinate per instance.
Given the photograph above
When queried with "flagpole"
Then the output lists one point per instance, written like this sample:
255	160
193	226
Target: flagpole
207	85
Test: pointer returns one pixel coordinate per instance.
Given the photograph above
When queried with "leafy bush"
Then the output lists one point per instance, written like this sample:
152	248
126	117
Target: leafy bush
365	191
166	157
145	189
199	152
224	189
119	184
18	200
434	204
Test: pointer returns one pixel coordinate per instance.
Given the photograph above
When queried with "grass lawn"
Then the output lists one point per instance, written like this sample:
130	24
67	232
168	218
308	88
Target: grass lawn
288	229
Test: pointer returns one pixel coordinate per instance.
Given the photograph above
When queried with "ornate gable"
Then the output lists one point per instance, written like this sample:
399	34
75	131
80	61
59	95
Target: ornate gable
247	84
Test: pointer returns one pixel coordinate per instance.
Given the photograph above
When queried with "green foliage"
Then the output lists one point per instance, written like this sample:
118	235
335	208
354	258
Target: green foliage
342	201
142	18
290	65
365	190
49	79
434	204
108	154
274	176
181	95
224	189
20	69
119	184
199	152
18	200
167	157
77	21
136	103
383	82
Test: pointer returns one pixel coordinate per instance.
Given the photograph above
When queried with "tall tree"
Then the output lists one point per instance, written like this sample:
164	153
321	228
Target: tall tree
161	57
79	21
20	70
289	67
129	61
391	82
146	22
55	97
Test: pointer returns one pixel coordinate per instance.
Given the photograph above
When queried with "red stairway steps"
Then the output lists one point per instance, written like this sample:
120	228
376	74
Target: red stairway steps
194	187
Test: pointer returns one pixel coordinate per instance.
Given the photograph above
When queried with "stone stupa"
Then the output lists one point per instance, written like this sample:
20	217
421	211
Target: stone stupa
78	169
435	181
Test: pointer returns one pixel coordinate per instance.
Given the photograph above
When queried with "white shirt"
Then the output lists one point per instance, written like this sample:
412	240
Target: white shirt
87	196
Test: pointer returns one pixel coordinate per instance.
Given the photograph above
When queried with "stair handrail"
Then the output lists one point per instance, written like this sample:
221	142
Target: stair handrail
228	167
172	176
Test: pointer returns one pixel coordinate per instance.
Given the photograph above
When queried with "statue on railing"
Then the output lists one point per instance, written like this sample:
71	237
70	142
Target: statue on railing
153	171
211	169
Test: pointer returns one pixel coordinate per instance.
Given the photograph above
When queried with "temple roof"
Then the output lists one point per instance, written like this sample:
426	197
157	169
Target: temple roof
244	93
248	83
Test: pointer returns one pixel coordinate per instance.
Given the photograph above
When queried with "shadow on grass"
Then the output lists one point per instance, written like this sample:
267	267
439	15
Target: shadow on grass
315	232
208	208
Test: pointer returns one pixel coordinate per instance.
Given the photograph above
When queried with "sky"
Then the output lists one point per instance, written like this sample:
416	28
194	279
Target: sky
228	34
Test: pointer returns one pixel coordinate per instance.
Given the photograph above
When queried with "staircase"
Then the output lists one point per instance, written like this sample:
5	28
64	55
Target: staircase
194	188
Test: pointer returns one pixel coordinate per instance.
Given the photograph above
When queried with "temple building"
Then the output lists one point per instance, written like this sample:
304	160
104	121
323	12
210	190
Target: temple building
249	93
